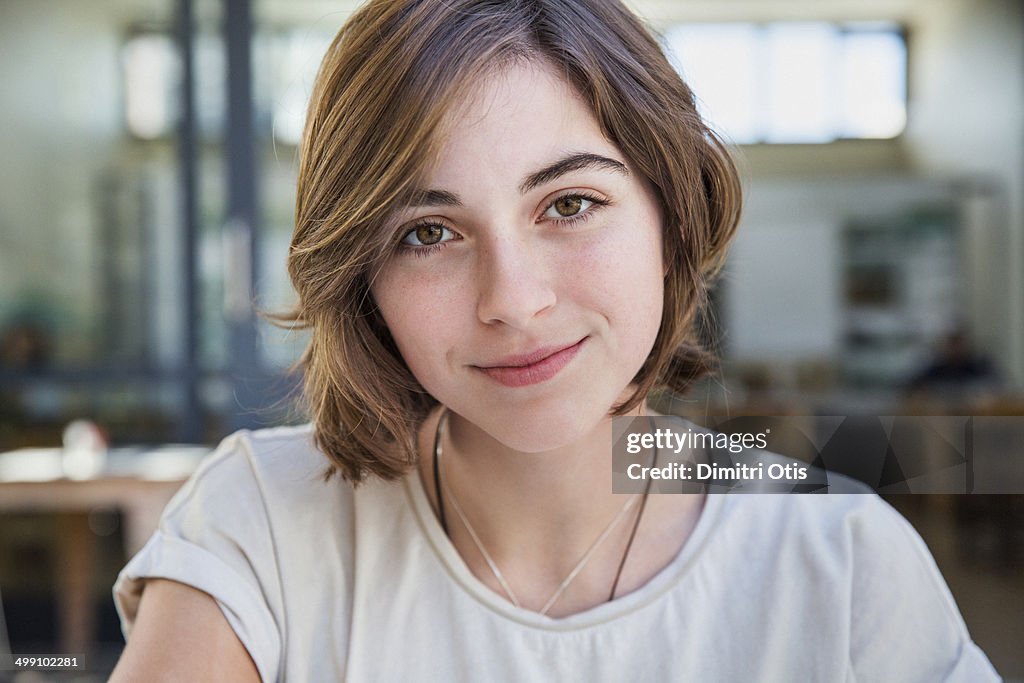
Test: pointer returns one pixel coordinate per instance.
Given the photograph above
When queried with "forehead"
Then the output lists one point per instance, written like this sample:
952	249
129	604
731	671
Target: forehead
516	119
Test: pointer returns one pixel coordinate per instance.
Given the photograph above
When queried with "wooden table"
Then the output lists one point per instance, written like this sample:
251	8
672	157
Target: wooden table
137	482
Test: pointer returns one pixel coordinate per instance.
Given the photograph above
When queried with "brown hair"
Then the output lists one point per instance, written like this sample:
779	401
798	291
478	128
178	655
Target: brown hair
372	129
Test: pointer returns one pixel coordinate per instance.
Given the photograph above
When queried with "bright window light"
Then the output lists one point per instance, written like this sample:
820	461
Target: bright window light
795	82
719	62
801	64
874	84
151	72
293	59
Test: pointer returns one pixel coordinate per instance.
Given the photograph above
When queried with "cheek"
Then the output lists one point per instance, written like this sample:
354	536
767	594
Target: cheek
414	311
622	274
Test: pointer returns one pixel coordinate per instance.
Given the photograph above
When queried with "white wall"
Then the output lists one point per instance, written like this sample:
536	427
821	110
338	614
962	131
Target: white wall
783	285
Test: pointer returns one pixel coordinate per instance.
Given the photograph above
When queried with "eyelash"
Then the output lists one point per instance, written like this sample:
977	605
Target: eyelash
567	221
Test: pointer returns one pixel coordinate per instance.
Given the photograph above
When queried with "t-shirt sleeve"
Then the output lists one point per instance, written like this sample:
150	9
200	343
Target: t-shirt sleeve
214	535
905	623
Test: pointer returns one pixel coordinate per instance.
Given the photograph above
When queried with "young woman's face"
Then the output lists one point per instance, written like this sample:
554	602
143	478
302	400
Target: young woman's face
527	291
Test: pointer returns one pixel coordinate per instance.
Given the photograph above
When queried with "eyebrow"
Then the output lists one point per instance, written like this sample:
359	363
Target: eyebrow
573	162
434	198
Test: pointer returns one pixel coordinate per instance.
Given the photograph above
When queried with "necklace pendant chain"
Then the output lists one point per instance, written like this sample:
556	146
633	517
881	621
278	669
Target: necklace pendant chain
480	546
441	483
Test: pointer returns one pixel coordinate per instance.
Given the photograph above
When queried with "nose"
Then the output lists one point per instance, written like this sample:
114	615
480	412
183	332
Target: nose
514	282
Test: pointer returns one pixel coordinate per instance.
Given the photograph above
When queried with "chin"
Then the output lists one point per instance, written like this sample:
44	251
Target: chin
545	428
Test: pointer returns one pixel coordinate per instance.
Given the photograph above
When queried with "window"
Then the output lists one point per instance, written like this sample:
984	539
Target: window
285	61
795	82
150	67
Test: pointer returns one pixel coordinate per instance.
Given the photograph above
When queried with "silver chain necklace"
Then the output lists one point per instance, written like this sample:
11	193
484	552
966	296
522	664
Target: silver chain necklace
441	484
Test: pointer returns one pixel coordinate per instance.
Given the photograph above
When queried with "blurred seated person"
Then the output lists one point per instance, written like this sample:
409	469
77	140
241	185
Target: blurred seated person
24	346
957	372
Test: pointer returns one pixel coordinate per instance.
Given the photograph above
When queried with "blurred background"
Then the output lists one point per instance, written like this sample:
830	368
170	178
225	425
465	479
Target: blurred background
146	196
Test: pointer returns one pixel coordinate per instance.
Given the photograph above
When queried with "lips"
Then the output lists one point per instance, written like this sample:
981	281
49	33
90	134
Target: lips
532	368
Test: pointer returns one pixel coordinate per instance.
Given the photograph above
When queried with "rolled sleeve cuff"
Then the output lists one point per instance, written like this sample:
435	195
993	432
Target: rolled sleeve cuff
168	557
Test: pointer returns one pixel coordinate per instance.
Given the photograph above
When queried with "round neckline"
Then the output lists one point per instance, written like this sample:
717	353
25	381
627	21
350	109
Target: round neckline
456	569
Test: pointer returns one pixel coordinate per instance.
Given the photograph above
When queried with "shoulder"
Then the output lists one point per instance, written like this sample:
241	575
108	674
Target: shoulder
279	451
853	531
265	492
812	513
854	550
258	468
858	561
259	529
226	533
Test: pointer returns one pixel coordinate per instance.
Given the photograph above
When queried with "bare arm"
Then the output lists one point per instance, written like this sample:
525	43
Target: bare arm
180	634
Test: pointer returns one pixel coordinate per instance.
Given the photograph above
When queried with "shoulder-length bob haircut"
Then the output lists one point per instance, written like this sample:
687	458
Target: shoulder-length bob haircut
372	129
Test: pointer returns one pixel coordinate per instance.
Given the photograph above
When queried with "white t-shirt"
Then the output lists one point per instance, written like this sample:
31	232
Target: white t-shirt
323	582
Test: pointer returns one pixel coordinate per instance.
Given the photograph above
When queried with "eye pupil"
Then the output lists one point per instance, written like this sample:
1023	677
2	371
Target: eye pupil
568	206
429	234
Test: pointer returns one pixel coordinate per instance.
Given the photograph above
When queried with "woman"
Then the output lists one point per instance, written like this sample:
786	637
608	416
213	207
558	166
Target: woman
507	214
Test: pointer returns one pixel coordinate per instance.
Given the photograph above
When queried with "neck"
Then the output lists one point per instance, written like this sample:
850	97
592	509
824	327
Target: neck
538	513
546	499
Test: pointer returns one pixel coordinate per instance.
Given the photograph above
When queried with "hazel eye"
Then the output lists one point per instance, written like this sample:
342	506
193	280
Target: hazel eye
427	234
568	206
